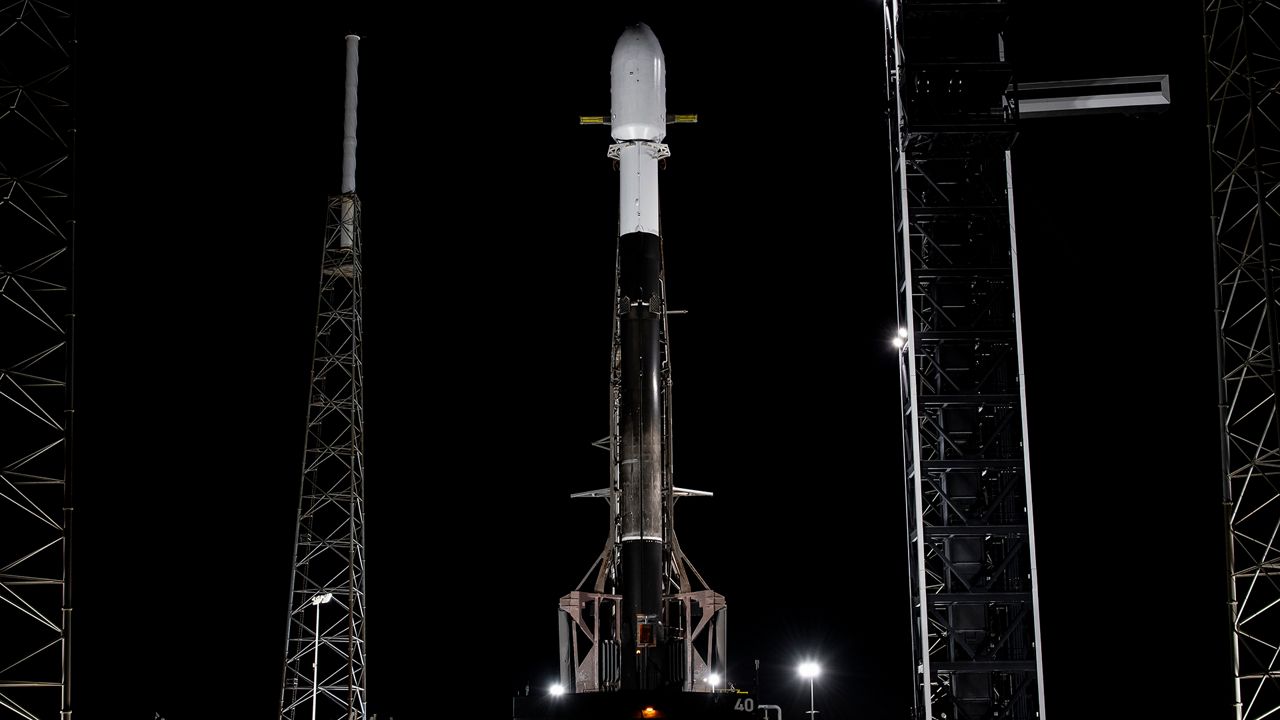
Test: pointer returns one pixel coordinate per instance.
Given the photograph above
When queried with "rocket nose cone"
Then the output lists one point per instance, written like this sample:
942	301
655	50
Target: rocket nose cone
638	39
638	87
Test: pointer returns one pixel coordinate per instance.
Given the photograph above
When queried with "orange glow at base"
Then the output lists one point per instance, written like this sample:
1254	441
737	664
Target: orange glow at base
649	712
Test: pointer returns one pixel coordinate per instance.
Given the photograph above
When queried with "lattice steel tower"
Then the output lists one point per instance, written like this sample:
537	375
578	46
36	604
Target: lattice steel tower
324	668
969	524
1242	72
37	228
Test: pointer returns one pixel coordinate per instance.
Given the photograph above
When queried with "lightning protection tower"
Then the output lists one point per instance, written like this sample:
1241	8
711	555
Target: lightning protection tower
324	667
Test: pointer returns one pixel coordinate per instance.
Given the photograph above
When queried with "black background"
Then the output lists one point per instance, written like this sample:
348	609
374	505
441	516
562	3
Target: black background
209	138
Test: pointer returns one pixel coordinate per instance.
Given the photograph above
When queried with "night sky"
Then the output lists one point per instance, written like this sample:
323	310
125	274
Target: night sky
207	149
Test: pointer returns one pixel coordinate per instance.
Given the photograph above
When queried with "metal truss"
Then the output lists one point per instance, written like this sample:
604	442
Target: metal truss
1242	68
969	525
325	647
36	240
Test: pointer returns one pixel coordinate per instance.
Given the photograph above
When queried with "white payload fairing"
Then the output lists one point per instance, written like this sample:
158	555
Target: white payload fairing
638	122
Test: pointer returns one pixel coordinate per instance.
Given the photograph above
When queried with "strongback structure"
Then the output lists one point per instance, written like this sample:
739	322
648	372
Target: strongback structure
1242	68
36	409
324	668
970	537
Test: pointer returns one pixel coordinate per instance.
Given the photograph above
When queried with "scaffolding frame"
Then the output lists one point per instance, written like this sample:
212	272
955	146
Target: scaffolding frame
37	240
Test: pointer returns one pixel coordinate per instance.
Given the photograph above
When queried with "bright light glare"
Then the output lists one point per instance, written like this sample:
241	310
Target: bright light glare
557	689
649	713
897	342
318	599
809	670
902	332
714	679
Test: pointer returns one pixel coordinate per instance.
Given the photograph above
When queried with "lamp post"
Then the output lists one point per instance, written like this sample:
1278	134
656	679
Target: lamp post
810	670
318	600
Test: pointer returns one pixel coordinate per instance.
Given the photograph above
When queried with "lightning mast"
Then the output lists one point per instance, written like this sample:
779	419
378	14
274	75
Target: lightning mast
324	668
